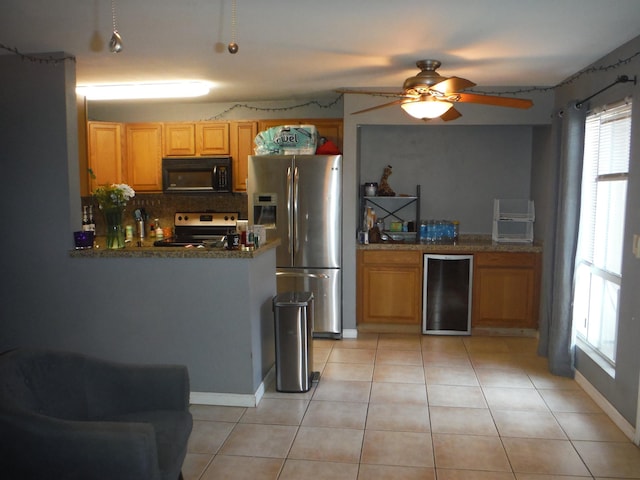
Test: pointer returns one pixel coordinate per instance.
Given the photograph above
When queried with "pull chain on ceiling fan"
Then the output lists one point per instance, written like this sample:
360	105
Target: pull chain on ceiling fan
429	95
115	44
233	46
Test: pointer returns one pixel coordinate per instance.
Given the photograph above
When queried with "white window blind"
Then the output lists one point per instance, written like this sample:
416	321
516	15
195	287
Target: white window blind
598	273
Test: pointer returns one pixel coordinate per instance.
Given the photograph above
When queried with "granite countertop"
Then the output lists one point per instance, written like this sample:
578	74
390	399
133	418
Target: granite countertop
131	250
466	244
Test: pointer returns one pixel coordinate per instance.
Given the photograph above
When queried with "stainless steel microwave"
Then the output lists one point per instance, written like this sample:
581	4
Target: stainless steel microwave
196	175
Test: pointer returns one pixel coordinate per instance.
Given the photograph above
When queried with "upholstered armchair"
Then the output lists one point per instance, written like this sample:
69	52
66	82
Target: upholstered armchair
68	416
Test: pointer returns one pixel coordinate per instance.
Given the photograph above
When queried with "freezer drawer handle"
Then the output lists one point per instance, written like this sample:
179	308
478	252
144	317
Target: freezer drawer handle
312	275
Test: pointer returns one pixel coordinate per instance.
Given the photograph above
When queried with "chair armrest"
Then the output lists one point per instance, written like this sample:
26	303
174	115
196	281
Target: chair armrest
114	388
36	447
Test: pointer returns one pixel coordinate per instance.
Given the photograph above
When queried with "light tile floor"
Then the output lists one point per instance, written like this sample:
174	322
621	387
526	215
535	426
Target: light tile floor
416	407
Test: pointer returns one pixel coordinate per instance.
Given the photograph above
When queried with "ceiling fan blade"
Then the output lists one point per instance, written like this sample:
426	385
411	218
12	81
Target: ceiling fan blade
389	104
495	100
372	92
453	84
450	114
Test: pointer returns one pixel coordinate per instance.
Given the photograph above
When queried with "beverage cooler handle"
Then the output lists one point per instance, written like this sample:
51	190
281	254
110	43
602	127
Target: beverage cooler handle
295	209
289	217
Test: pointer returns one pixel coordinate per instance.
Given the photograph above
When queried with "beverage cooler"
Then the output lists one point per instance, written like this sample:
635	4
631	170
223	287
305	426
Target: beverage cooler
446	294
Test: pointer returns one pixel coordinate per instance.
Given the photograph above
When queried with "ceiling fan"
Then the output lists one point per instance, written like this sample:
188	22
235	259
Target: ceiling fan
429	95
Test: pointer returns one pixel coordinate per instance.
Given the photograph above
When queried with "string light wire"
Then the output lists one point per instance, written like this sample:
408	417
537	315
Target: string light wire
571	79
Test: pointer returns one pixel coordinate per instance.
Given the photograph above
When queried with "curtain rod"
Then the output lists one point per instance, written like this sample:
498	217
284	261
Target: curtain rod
620	79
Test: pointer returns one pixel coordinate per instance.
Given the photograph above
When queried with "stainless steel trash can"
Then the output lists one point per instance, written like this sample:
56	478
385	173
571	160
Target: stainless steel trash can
293	316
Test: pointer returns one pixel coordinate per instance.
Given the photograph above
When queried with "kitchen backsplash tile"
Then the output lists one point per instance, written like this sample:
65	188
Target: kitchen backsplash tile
164	206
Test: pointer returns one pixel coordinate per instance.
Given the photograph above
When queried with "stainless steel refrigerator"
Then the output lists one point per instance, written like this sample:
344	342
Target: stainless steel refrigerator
298	198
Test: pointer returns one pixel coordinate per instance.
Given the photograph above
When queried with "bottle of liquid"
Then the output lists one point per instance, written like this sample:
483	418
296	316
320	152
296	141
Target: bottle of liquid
85	219
92	223
158	229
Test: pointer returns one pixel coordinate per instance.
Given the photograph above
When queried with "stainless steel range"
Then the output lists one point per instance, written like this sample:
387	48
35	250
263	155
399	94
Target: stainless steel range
199	229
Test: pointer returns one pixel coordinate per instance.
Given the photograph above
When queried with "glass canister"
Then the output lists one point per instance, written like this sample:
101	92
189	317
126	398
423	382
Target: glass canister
370	189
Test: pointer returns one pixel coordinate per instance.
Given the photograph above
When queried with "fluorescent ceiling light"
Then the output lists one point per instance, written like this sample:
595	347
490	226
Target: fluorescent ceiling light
427	107
131	91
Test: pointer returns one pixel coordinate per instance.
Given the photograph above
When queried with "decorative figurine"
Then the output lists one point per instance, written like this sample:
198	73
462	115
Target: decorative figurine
384	190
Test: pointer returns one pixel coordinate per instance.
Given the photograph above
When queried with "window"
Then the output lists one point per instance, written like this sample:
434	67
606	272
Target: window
598	271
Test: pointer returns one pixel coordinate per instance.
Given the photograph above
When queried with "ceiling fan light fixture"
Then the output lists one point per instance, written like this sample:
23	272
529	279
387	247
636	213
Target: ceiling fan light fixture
140	91
426	107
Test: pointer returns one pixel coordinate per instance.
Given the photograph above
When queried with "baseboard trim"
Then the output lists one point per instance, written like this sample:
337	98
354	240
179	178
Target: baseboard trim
388	328
504	332
233	399
349	333
621	422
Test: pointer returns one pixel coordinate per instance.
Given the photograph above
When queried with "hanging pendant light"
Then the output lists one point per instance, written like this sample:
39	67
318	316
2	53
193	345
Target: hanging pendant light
115	44
233	46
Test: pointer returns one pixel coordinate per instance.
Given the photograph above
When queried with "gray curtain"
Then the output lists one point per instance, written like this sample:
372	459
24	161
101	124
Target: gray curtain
561	238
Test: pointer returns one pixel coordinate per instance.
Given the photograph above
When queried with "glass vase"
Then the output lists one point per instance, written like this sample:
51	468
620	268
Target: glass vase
115	231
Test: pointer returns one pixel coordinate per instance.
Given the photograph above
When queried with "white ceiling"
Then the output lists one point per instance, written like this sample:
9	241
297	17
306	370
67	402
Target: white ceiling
304	48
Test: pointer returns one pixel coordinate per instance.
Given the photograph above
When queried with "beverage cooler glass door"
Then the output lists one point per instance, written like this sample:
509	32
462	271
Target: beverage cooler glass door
446	294
325	284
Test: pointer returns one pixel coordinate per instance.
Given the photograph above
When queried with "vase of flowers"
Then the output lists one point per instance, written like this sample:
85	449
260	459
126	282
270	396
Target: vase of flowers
112	199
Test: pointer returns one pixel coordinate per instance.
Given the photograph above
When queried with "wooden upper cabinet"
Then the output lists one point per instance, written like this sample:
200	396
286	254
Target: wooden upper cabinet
144	156
189	139
212	138
330	128
241	140
104	153
179	139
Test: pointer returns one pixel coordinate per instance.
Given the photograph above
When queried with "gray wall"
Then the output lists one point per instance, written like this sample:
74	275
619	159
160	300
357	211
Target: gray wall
460	169
196	312
621	391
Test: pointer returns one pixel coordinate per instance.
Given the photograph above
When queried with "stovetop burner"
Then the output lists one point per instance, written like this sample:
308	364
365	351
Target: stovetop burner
199	229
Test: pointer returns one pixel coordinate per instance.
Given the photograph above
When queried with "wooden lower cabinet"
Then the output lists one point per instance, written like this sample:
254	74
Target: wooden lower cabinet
506	290
389	287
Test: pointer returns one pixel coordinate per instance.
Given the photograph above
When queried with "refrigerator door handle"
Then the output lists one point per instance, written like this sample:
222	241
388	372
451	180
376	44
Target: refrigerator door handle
296	221
310	275
289	216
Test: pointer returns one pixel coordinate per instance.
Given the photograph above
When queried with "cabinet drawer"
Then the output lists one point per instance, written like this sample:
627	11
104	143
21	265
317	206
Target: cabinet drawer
501	259
391	257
